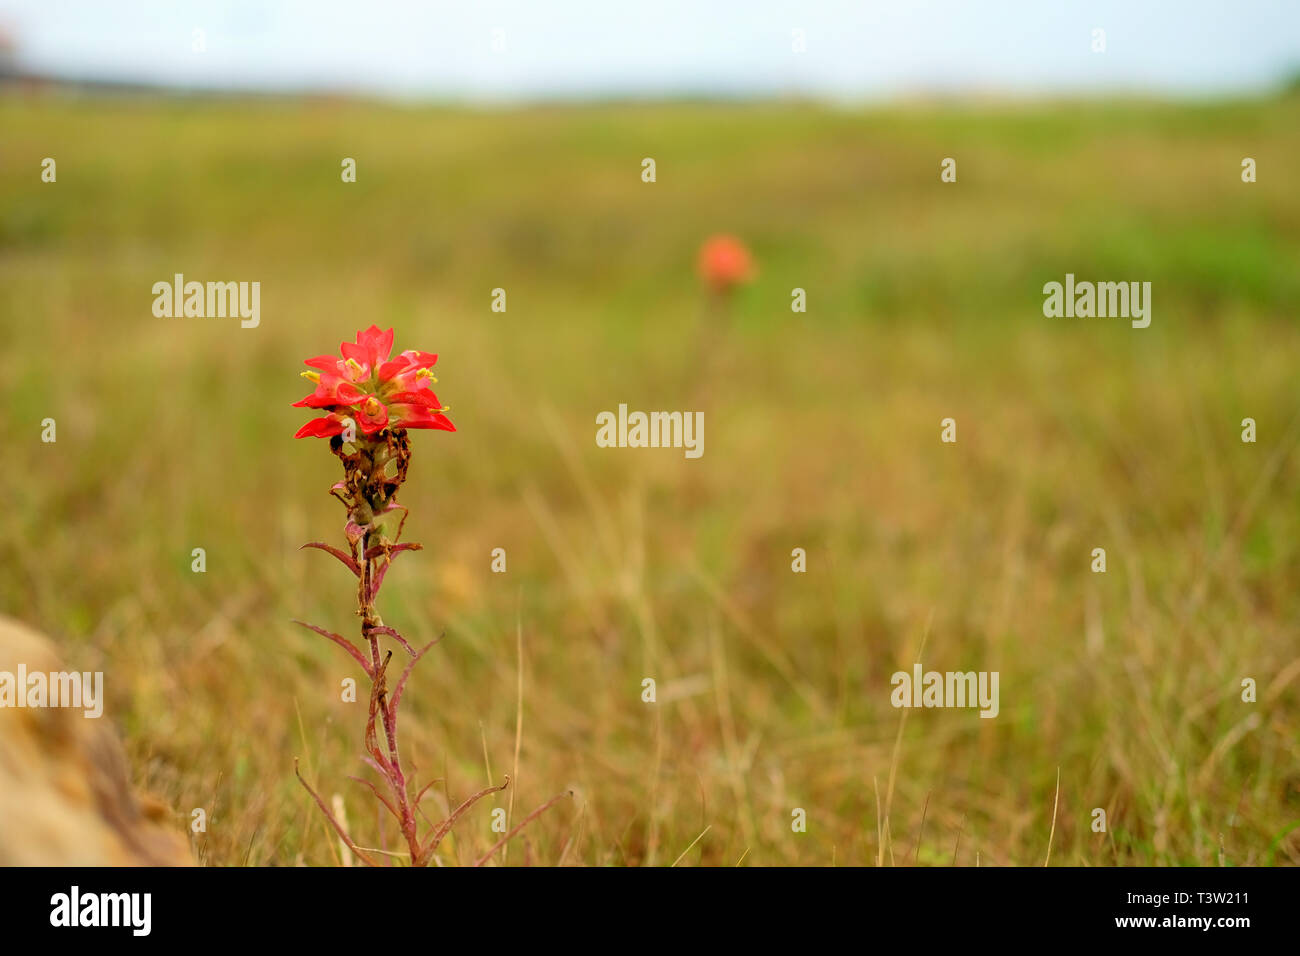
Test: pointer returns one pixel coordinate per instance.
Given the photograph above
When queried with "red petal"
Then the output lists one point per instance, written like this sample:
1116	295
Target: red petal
326	363
418	359
347	393
382	342
320	428
374	345
330	392
423	418
441	422
358	353
424	398
390	369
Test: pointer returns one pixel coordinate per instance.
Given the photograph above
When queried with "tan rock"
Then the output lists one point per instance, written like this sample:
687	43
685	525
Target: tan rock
65	791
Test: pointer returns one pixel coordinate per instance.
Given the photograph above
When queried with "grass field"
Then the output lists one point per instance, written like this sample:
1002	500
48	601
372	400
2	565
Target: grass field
822	432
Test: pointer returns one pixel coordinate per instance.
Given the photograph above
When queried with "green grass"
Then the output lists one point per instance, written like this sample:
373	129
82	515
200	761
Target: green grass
822	432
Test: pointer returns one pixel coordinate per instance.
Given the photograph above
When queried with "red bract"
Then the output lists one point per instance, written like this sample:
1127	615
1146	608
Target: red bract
369	388
725	262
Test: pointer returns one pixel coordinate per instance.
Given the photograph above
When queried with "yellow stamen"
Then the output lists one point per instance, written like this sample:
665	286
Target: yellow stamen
355	366
311	376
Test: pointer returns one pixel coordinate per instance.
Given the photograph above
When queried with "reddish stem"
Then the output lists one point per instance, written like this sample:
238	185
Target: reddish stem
370	563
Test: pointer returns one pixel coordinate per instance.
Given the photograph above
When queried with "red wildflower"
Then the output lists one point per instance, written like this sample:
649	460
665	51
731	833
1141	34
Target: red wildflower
367	387
725	262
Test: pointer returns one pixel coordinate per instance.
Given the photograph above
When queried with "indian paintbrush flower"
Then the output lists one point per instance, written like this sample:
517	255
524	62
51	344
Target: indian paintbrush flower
371	400
372	390
724	263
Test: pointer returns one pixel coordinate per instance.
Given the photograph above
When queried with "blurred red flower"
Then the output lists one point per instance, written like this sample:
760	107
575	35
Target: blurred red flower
374	391
725	262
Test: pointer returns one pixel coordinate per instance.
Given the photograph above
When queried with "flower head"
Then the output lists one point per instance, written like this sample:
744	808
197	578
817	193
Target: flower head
725	262
368	388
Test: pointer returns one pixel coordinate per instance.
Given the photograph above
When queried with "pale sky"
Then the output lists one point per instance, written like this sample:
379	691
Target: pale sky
866	49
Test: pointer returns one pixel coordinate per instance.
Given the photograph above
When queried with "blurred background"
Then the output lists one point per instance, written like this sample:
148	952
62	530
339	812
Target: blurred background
500	145
513	51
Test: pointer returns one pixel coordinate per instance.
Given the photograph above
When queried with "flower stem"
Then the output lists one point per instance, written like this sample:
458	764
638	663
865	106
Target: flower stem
392	766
